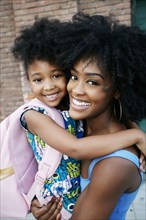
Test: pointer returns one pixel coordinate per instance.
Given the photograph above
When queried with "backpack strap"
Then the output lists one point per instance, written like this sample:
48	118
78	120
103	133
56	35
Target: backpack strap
48	164
47	167
5	172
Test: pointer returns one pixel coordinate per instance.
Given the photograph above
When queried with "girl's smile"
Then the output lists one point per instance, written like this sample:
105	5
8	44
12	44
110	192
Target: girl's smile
47	81
52	97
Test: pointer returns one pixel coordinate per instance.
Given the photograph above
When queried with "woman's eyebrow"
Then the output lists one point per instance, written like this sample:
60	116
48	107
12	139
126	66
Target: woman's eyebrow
73	69
89	73
94	74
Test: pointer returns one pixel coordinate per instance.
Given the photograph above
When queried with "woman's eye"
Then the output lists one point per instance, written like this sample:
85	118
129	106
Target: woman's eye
73	77
93	82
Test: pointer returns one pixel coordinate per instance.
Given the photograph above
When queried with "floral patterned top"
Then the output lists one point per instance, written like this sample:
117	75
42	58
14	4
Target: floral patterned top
65	182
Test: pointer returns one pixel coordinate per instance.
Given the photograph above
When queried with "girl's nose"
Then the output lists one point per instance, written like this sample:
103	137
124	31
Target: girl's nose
48	86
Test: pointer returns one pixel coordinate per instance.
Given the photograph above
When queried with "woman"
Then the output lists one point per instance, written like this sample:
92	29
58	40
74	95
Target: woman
106	89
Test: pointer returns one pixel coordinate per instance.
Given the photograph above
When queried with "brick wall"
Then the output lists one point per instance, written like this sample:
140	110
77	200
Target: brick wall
120	9
15	13
11	91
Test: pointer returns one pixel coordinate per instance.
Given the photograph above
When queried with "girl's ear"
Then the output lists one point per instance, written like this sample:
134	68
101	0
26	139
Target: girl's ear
29	85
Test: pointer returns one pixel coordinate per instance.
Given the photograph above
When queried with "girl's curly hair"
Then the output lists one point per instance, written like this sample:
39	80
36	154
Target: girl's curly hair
120	51
36	42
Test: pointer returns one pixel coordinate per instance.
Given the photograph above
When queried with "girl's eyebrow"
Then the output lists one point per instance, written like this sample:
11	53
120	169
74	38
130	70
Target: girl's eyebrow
52	71
90	74
55	70
35	74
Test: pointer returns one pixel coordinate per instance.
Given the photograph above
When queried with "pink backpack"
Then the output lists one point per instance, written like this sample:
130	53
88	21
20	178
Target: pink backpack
19	179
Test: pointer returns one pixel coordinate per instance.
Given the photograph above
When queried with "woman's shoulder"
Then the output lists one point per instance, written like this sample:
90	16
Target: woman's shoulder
122	161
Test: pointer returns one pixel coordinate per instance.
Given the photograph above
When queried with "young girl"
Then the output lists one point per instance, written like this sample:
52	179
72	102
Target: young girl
35	48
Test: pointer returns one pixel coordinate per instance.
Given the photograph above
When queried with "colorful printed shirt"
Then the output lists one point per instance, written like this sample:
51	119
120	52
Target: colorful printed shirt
65	182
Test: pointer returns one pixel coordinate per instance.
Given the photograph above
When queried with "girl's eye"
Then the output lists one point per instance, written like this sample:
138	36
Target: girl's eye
73	77
37	80
93	82
59	75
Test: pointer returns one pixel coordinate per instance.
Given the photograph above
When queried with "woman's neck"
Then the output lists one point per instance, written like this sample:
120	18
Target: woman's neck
102	125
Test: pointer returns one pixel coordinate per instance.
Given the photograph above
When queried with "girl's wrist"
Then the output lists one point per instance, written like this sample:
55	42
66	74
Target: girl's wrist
141	140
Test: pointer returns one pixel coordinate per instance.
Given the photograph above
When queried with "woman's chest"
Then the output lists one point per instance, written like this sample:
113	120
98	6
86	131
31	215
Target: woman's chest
84	168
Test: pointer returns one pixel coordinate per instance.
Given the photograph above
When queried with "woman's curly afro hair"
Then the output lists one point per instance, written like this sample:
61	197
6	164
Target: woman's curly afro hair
120	51
36	42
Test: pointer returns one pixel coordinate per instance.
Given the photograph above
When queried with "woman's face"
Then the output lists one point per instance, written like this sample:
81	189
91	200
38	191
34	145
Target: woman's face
91	93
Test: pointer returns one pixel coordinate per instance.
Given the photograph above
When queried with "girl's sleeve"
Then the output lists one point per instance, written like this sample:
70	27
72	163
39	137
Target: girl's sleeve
73	126
37	144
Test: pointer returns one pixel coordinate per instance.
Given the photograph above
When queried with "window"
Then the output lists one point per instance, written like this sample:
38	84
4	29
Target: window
139	13
142	125
138	9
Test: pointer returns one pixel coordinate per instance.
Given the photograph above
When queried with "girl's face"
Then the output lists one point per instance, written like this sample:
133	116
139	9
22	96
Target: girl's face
90	92
47	81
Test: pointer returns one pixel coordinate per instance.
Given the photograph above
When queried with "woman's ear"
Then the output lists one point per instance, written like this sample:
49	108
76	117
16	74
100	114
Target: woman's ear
118	111
116	95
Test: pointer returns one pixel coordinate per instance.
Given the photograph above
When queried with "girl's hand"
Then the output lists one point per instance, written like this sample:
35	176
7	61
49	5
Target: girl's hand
141	145
51	211
142	137
143	163
142	142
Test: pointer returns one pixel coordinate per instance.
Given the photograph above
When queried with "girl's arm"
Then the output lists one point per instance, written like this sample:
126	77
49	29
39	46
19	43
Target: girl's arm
84	148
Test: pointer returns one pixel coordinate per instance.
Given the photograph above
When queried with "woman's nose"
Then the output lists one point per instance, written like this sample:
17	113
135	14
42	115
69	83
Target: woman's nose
78	89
